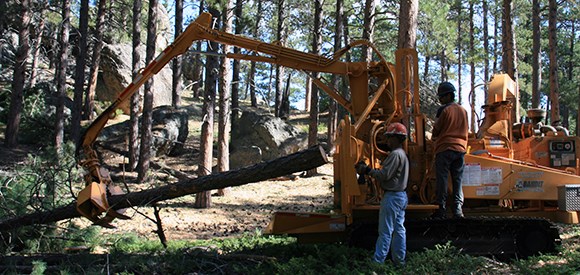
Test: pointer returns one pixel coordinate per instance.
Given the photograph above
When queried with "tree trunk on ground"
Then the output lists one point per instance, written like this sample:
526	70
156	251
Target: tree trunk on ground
203	199
80	71
13	123
147	117
61	75
297	162
136	97
553	44
316	42
94	71
176	63
224	123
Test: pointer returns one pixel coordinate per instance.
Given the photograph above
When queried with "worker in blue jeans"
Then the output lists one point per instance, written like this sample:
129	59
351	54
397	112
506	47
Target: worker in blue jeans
392	177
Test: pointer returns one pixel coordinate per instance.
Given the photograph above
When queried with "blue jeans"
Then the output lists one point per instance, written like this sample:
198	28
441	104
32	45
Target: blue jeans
392	234
450	162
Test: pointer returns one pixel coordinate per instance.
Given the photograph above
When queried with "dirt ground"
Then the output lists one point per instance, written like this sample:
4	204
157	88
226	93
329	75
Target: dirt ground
245	209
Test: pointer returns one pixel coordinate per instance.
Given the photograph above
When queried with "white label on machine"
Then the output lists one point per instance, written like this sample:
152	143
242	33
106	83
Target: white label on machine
491	190
491	175
471	174
568	159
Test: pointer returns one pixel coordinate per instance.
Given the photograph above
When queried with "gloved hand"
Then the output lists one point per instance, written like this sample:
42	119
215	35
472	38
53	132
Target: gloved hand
362	168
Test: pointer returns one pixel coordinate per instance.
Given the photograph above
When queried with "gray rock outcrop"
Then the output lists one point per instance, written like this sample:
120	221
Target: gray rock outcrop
262	137
116	74
169	131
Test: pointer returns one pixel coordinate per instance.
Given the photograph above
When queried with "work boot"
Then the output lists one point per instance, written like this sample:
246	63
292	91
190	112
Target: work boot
440	213
458	213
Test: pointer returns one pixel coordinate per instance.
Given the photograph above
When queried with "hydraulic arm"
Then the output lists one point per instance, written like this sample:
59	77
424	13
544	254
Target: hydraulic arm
364	102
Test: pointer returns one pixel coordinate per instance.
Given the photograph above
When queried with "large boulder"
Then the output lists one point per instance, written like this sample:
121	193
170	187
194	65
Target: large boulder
169	131
115	67
115	74
262	137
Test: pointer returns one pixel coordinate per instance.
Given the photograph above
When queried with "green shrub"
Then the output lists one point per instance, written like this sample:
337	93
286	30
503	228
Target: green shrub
443	259
567	262
43	183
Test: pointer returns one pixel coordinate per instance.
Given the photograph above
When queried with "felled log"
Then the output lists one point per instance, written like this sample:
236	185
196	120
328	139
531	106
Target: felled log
297	162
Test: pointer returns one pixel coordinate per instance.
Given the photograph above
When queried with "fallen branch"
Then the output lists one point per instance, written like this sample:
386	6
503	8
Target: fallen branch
297	162
159	224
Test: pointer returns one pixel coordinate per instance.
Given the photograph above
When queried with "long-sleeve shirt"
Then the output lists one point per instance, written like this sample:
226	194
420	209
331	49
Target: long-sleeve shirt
394	174
450	129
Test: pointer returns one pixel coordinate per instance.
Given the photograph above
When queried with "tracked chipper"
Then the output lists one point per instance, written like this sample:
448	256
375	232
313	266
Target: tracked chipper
518	176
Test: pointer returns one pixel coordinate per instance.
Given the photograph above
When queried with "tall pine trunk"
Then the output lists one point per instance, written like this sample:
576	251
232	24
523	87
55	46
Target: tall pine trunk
279	81
485	46
408	24
16	99
198	64
316	42
61	75
136	97
368	27
553	44
224	123
236	68
460	35
509	56
203	199
252	74
96	60
472	65
38	32
147	117
536	60
335	80
176	77
80	71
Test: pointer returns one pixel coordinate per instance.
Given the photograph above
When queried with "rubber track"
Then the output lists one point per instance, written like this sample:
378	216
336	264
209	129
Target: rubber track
503	238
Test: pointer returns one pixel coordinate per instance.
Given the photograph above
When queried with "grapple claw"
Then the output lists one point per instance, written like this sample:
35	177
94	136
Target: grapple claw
92	203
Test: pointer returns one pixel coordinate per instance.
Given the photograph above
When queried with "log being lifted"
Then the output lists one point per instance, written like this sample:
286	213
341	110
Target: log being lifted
297	162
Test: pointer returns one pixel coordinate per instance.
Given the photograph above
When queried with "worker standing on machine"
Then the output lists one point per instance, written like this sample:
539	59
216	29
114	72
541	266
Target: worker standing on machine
450	142
393	178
